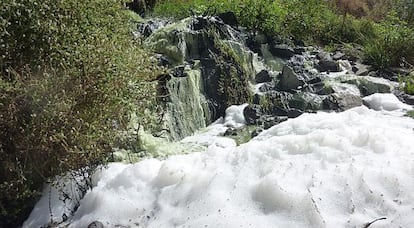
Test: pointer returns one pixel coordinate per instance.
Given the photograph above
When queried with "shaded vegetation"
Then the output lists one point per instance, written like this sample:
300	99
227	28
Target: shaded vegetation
71	73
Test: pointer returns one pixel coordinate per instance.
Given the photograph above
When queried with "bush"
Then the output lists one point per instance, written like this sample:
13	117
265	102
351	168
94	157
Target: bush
392	44
71	73
408	83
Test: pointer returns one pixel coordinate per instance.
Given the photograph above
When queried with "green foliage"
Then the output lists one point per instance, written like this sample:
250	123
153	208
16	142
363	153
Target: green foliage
393	43
71	73
408	83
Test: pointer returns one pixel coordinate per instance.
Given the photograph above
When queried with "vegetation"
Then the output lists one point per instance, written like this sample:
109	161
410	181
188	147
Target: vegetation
384	28
71	73
233	75
410	114
408	83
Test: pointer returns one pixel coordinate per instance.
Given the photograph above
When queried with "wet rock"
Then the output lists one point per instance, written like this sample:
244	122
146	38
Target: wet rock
289	80
406	98
327	63
266	87
179	72
96	224
199	23
282	50
293	113
251	114
263	76
299	50
228	18
255	41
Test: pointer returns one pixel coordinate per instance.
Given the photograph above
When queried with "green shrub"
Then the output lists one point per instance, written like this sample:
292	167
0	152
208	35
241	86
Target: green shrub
408	83
392	44
71	73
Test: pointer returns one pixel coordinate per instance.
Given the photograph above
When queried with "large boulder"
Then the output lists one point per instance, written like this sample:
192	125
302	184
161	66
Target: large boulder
342	101
282	50
290	80
370	85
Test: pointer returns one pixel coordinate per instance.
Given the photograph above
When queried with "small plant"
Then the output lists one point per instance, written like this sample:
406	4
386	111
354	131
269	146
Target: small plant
410	114
408	83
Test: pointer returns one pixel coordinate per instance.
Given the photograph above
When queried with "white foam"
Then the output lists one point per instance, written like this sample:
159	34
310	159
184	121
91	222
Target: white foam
234	116
318	170
386	102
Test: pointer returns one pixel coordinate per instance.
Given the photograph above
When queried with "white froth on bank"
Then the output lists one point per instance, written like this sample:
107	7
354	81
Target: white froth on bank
385	102
318	170
234	116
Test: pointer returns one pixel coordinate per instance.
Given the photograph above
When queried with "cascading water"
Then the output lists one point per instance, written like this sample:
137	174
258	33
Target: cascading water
322	169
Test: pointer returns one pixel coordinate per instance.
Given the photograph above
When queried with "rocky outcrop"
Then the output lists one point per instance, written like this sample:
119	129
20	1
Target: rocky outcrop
212	64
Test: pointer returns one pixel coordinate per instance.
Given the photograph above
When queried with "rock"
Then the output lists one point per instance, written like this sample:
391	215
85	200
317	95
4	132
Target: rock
179	72
228	18
138	6
314	80
231	132
327	63
293	113
199	23
370	85
306	102
408	99
266	87
299	50
289	80
251	114
360	69
162	60
263	76
282	50
321	89
96	224
268	121
255	41
342	101
256	132
338	55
